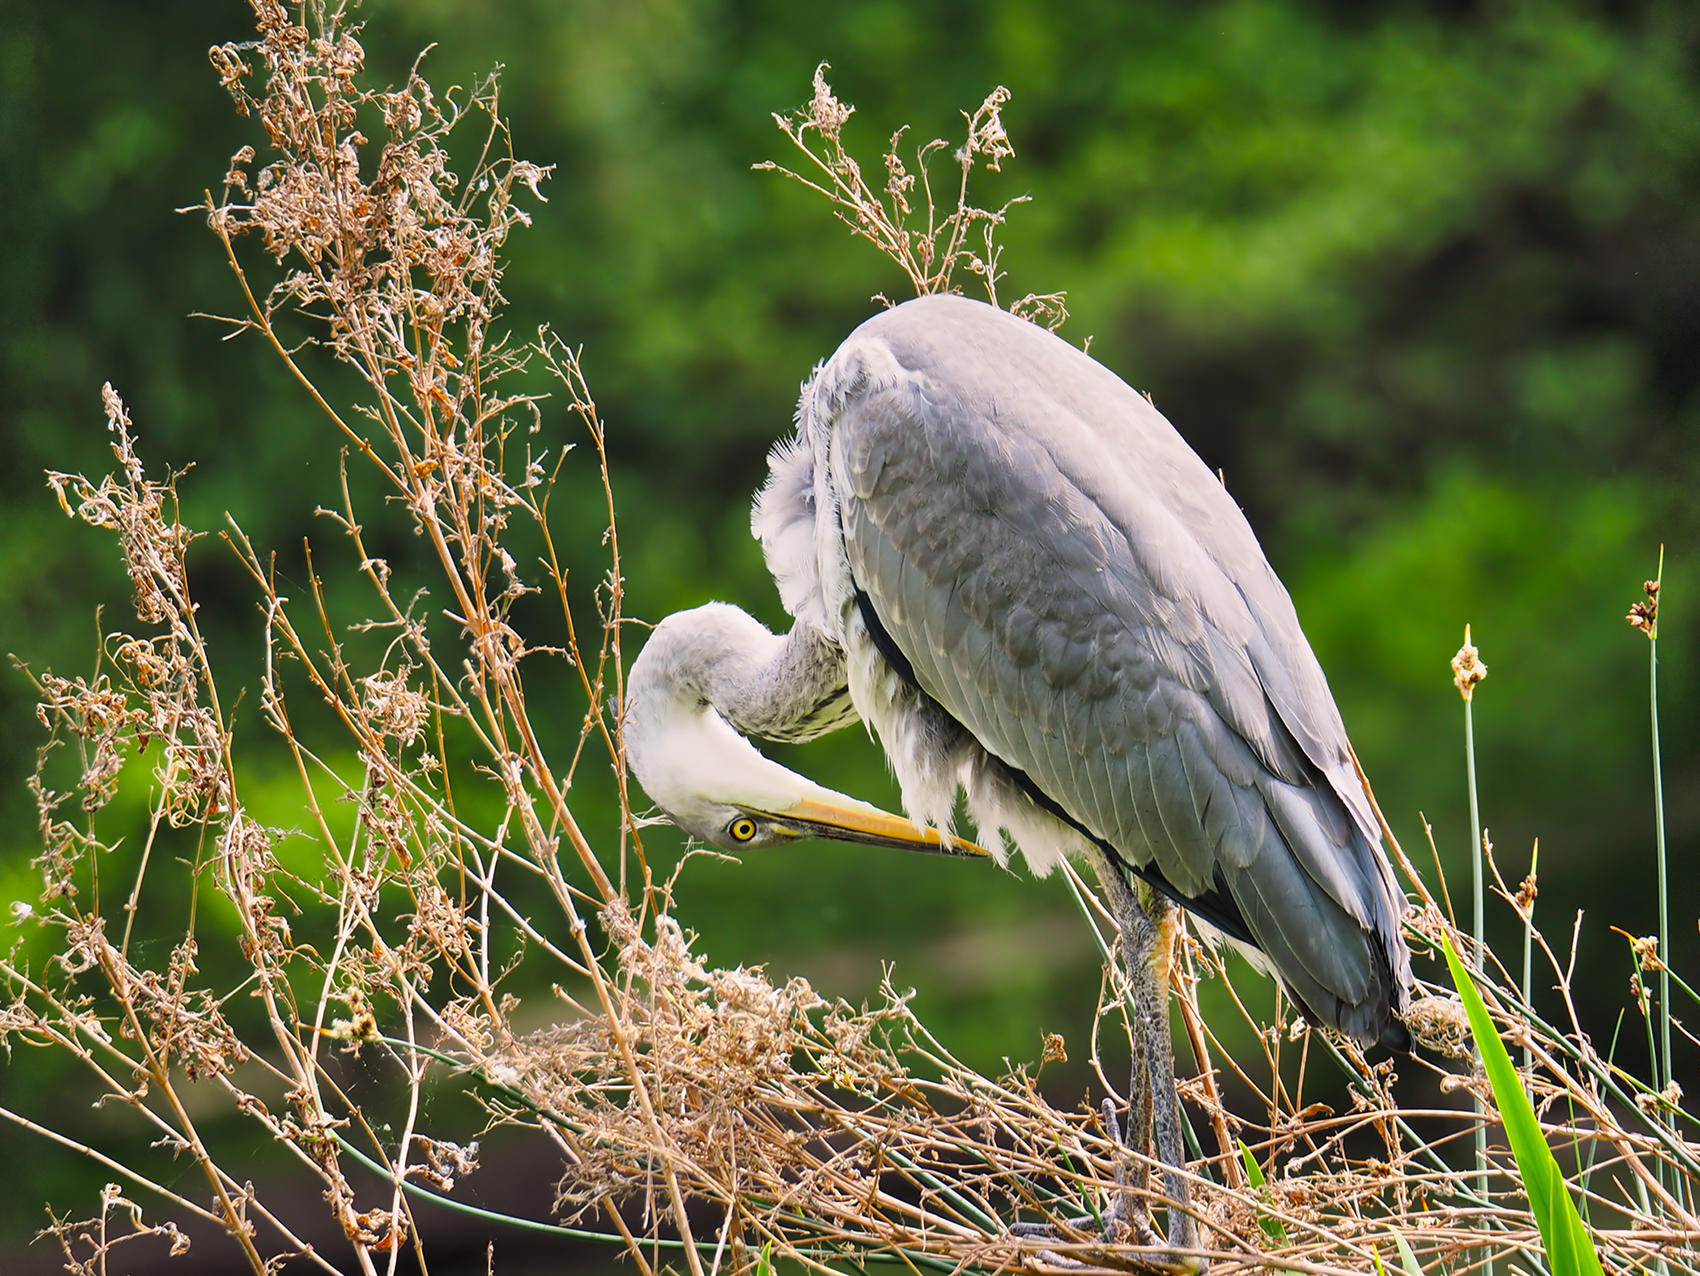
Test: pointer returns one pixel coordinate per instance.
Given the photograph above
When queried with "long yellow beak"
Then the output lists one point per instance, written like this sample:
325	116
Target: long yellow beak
811	818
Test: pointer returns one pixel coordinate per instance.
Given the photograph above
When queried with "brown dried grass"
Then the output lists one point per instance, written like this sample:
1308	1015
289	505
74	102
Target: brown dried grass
797	1129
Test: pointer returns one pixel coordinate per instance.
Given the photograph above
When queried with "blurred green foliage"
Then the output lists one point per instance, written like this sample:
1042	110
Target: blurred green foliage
1419	278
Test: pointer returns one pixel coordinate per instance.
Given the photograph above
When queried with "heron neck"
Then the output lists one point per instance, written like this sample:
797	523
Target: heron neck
709	677
776	687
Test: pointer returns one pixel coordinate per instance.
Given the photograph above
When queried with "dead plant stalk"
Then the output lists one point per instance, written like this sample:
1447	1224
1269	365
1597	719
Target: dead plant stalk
820	1133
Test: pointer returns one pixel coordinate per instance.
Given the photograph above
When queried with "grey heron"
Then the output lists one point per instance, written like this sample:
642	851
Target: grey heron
1008	563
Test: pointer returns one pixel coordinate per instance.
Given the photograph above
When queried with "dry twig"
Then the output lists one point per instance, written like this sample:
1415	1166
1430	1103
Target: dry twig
816	1132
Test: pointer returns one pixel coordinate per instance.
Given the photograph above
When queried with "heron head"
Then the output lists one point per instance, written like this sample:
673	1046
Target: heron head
718	787
733	825
715	785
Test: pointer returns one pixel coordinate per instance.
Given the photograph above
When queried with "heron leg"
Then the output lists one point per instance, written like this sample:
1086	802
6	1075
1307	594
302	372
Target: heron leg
1148	931
1152	1004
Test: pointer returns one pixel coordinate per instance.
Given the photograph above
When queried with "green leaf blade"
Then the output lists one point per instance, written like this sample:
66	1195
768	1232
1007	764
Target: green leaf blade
1273	1228
1407	1259
1569	1244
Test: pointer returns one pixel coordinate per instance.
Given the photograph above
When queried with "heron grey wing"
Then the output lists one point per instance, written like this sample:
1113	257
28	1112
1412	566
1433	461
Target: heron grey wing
1301	930
979	555
1289	713
1089	672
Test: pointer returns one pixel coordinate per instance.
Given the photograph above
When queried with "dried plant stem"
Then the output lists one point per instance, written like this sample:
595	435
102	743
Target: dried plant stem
161	1081
415	480
1478	852
1526	905
884	218
1668	1075
117	1167
813	1133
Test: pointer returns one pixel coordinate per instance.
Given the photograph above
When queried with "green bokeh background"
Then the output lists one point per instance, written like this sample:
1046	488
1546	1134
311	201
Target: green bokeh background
1420	279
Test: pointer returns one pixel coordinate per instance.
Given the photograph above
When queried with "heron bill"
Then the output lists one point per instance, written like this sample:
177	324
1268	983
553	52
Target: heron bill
867	825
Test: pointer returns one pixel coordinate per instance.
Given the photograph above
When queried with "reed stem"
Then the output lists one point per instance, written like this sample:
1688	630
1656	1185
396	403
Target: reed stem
1477	922
1529	941
1467	673
1667	1075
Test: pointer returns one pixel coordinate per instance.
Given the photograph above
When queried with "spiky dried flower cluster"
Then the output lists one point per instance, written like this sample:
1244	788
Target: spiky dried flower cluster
88	1245
165	692
813	1132
1645	615
399	269
388	261
929	249
1468	671
148	1031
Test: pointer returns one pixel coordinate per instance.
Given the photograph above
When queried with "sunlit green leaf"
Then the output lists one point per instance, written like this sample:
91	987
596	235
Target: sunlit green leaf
1272	1227
1570	1246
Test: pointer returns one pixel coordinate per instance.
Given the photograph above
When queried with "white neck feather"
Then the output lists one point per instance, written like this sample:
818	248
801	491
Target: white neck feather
699	668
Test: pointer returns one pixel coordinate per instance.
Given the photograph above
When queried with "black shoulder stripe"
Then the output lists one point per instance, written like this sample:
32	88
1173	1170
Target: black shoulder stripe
885	644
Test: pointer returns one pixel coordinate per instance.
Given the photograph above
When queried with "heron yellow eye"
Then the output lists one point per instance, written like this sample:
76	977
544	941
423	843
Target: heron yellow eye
742	829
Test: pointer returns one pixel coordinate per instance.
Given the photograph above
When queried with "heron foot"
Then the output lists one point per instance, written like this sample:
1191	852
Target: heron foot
1134	1212
1135	1207
1125	1220
1154	1114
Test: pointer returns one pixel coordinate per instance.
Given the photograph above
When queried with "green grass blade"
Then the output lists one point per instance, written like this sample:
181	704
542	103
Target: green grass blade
1253	1171
1569	1245
1407	1259
1272	1227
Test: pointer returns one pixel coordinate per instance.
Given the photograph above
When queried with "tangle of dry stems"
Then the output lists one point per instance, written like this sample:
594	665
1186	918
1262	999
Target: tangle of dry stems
928	245
703	1117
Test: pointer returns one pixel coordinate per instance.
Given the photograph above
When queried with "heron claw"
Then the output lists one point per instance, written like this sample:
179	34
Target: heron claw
1128	1210
1126	1220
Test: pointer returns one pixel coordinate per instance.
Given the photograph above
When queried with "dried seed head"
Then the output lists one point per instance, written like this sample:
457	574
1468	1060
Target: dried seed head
1647	953
826	112
1645	615
899	180
1645	949
1467	668
1049	309
1441	1024
986	133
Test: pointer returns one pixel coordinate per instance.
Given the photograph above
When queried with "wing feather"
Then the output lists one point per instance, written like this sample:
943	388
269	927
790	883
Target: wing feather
1072	585
1128	831
1190	869
1212	791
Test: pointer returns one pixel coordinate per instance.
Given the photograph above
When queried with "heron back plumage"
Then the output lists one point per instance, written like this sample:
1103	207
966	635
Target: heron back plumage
1090	637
